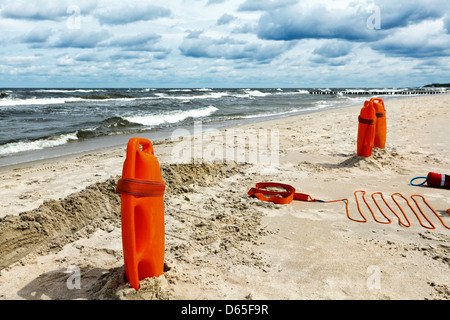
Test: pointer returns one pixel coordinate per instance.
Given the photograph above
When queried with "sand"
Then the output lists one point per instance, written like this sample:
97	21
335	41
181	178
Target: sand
60	218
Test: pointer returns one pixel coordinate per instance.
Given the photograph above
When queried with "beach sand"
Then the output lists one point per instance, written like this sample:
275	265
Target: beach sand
61	216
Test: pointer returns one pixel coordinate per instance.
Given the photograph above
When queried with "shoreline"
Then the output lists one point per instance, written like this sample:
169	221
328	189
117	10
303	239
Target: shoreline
102	143
221	244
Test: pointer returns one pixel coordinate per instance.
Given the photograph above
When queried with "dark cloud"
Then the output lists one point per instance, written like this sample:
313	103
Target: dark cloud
316	22
138	42
88	57
225	19
245	28
44	10
396	46
333	62
126	55
215	2
37	35
230	49
395	14
334	49
262	5
193	34
82	39
133	41
447	23
351	23
129	14
332	53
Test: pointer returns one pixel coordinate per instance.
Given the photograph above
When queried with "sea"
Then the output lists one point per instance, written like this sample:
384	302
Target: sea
39	123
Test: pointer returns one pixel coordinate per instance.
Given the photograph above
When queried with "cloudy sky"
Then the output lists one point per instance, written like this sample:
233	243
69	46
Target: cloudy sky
224	43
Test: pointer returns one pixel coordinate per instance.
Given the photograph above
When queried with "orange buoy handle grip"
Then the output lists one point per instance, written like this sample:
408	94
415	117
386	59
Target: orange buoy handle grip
137	143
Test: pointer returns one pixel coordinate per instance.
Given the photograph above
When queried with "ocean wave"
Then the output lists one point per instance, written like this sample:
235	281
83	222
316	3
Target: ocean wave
8	102
270	114
109	126
171	117
257	93
36	101
180	90
68	90
324	104
209	95
15	147
111	96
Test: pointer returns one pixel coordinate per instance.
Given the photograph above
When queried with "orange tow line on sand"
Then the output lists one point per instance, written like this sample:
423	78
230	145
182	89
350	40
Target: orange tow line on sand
286	197
142	205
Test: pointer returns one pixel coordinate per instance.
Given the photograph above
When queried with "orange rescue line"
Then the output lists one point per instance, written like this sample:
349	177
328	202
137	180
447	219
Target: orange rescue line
286	197
142	205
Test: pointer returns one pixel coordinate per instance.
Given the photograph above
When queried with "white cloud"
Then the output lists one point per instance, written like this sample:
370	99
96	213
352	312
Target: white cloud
216	42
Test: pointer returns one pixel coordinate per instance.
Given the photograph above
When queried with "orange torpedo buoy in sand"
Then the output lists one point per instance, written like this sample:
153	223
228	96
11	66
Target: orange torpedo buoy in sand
366	130
380	126
142	204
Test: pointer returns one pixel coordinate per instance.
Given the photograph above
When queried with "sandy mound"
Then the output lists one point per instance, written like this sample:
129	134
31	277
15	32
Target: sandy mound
207	232
20	235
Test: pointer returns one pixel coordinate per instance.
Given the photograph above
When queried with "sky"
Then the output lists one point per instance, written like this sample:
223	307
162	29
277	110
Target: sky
224	43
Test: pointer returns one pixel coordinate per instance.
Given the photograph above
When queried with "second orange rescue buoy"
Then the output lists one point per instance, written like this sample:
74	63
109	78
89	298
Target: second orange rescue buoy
366	130
142	204
380	125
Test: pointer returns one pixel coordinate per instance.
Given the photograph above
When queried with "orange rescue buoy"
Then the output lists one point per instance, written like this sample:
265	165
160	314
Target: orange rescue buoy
366	130
380	126
142	205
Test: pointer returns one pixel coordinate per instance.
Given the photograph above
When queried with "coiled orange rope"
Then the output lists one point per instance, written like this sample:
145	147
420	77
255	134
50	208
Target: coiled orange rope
286	197
430	225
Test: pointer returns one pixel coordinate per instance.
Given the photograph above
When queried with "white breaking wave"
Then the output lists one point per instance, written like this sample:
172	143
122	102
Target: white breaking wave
37	101
212	95
21	146
47	101
69	91
171	117
257	93
270	114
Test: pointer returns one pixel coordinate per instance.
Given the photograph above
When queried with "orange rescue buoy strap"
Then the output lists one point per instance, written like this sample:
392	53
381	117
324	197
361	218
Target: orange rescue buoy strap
143	188
366	121
278	197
